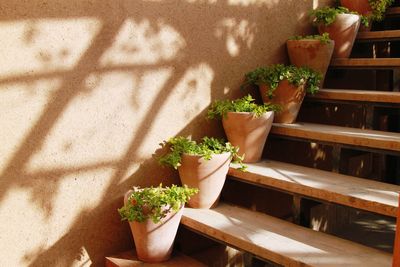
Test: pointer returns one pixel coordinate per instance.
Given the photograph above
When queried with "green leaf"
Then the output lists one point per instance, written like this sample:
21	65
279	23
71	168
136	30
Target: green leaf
272	75
155	202
327	15
205	149
323	38
220	108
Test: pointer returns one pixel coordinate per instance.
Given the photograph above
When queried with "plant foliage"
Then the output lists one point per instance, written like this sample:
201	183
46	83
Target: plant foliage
220	108
155	202
205	149
272	75
323	38
379	8
327	15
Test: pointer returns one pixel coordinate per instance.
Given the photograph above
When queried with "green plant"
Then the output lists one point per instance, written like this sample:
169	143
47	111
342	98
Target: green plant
323	38
327	15
209	146
220	108
272	75
379	8
155	202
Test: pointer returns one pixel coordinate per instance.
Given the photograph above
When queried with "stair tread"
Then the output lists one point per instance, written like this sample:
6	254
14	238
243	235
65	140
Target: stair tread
279	241
342	189
129	259
338	134
393	11
384	63
358	95
386	35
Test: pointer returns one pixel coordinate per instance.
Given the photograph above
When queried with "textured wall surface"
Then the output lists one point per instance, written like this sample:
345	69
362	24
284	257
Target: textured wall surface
88	90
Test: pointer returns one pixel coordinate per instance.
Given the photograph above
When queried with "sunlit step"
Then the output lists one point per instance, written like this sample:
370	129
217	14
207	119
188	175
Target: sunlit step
342	135
358	95
388	35
346	190
366	63
279	241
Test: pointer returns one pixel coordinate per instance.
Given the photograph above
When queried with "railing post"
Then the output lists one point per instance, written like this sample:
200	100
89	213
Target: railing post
396	251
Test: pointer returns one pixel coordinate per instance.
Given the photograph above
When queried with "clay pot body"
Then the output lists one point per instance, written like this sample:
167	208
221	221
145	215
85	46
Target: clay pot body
247	132
207	175
311	53
289	96
154	241
343	31
360	6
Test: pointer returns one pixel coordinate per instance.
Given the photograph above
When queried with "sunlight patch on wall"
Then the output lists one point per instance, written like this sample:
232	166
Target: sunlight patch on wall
149	87
68	214
268	3
321	3
30	47
23	226
190	97
202	1
143	42
238	34
101	114
65	201
21	105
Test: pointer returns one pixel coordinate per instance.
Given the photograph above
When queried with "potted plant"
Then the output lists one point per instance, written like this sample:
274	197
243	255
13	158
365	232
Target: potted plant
285	86
246	124
342	26
154	214
313	51
201	165
374	10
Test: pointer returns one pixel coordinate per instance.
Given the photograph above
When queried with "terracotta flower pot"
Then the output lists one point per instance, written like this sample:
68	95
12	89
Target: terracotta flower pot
289	96
360	6
154	241
207	175
343	31
311	53
247	132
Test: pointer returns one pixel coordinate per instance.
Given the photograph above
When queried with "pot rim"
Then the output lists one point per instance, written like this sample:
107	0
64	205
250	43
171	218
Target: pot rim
213	154
311	40
348	14
248	113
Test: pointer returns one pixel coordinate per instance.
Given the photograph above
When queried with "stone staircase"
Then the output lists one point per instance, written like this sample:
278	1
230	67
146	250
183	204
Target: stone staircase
285	242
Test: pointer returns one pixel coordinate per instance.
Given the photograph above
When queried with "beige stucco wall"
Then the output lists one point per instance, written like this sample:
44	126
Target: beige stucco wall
88	90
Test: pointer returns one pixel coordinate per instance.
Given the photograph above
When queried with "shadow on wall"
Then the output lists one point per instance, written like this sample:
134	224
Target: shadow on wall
88	89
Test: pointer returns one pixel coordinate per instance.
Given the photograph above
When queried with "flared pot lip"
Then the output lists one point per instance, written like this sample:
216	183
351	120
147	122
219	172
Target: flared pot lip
306	40
356	17
249	113
348	15
198	156
260	86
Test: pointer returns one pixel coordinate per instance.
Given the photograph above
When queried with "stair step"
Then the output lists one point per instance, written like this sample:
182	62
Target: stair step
358	95
346	190
389	35
393	11
366	63
129	259
342	135
279	241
